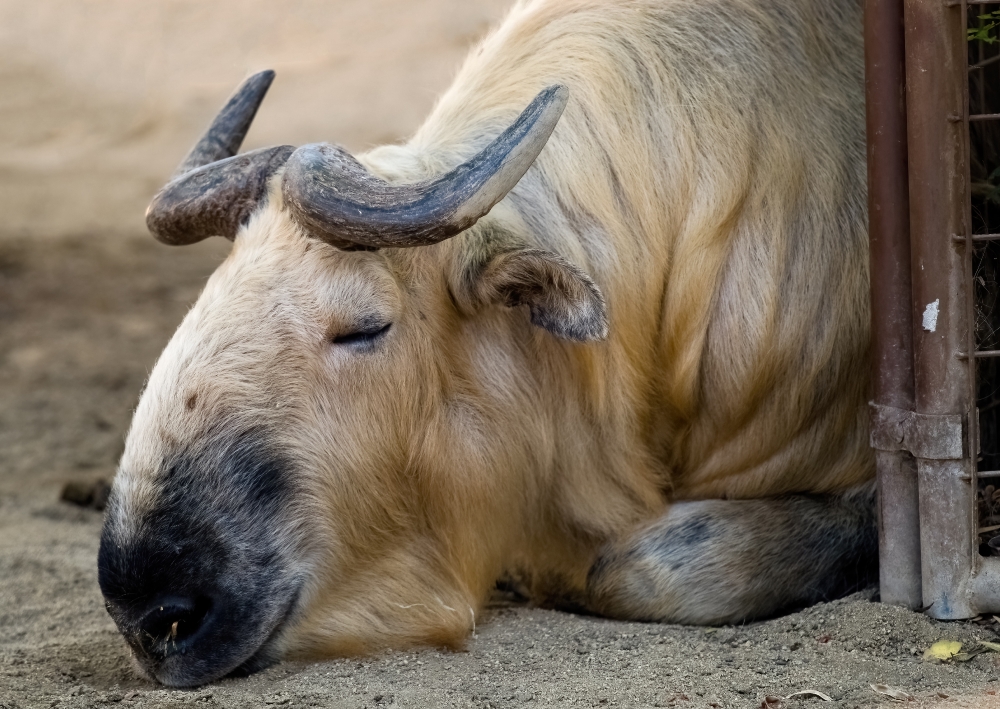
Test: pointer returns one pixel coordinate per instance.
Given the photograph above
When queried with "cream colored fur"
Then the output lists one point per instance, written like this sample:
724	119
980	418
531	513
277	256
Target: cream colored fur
708	175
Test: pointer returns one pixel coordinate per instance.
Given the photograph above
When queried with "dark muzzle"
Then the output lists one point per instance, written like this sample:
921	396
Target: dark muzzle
199	582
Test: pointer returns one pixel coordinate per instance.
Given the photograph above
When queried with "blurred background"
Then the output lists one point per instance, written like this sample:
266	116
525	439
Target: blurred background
99	99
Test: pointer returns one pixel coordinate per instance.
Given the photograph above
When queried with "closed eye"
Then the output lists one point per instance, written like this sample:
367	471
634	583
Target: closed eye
364	337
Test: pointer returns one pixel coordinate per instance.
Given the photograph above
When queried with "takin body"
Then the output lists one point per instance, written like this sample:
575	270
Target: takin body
634	386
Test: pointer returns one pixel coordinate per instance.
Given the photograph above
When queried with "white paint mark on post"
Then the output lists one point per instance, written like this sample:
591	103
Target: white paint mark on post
930	315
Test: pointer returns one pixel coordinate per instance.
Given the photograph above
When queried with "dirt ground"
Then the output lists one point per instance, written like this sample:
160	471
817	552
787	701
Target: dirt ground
98	100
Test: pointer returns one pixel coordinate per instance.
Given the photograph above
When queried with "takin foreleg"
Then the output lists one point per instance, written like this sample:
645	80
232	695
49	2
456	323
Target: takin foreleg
714	562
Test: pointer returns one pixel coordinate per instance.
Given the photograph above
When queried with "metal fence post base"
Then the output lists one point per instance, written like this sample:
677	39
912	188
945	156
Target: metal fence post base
899	529
945	538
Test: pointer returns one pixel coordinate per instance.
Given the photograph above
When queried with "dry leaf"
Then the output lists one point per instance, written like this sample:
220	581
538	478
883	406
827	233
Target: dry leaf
898	694
992	647
811	693
969	654
943	650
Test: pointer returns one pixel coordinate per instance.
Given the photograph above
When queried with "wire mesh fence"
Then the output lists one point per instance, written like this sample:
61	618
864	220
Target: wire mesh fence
983	126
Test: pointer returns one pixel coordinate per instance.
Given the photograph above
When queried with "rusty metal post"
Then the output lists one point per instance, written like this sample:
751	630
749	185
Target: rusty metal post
941	244
892	324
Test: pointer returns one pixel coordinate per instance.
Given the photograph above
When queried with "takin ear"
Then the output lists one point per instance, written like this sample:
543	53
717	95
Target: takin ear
560	297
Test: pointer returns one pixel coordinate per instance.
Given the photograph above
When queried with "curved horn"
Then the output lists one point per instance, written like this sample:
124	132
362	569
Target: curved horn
214	200
214	190
336	199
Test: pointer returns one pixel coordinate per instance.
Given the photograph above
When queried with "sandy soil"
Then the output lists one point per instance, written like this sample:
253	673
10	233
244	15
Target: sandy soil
98	101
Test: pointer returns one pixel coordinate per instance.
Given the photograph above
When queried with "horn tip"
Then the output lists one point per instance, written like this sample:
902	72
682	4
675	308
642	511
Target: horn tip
261	81
557	92
552	100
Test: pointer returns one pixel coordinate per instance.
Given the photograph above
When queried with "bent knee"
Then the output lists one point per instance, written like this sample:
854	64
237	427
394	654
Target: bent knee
715	561
676	570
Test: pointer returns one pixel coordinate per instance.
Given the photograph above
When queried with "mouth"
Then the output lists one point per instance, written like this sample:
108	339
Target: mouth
270	651
183	665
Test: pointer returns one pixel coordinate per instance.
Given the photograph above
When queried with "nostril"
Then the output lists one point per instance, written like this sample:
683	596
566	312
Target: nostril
171	621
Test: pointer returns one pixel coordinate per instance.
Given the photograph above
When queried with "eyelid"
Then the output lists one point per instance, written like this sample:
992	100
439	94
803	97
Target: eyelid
366	332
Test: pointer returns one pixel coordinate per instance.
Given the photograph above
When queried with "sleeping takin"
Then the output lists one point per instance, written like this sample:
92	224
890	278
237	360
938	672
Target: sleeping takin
599	329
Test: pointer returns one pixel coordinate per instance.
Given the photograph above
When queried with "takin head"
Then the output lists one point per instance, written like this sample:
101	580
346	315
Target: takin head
270	495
